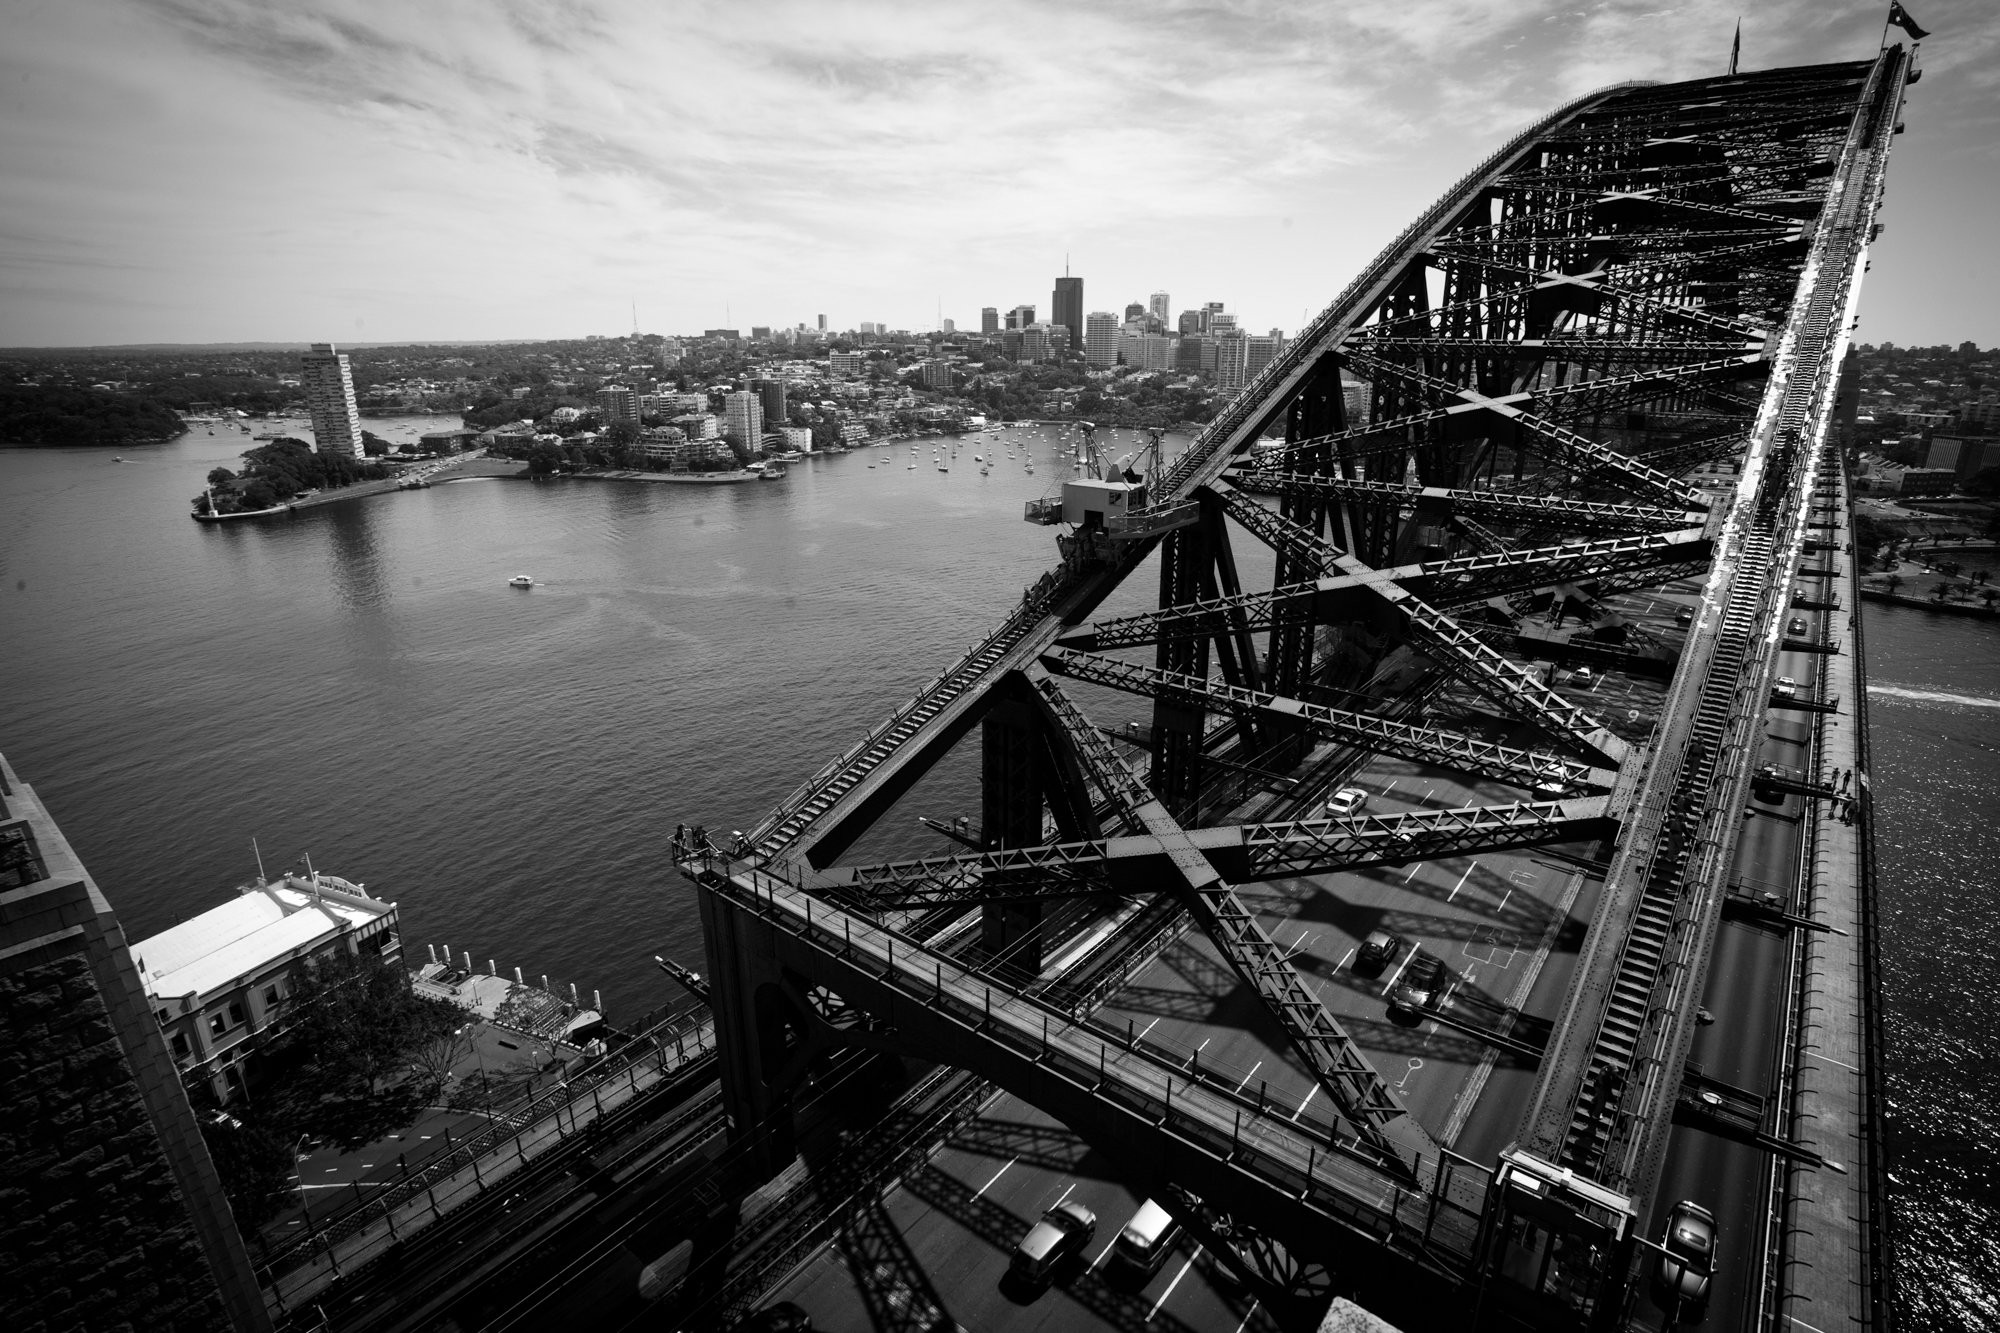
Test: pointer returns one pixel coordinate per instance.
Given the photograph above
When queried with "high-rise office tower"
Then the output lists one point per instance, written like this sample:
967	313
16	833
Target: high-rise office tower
1232	360
1158	304
1066	308
329	386
743	420
770	397
1100	339
117	1217
989	321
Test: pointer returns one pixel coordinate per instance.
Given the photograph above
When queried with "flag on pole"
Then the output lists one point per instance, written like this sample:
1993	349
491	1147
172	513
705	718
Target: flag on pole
1736	46
1901	18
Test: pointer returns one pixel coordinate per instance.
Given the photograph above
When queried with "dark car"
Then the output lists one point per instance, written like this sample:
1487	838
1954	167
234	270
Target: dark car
1423	985
1063	1231
1685	1269
1378	951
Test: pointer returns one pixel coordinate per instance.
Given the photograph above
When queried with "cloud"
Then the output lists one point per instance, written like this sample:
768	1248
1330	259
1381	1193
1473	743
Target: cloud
473	169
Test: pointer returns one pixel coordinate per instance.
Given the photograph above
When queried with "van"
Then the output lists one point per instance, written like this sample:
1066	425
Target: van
1147	1240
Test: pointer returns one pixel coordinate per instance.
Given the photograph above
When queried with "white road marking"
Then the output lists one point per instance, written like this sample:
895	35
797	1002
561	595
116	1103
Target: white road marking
1252	1074
1171	1285
1461	882
997	1174
1307	1102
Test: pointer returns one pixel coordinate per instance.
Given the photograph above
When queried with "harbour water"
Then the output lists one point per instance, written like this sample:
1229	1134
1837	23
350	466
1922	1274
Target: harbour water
359	683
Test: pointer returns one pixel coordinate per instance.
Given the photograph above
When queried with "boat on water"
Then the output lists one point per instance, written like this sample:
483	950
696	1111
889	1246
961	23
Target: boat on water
520	581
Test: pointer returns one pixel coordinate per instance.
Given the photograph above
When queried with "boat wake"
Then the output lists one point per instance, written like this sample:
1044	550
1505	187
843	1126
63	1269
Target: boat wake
1934	696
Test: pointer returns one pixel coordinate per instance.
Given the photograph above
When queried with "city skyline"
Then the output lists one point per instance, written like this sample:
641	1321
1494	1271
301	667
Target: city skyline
216	171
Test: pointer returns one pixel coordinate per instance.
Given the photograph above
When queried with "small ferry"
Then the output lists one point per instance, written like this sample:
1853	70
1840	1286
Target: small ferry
520	581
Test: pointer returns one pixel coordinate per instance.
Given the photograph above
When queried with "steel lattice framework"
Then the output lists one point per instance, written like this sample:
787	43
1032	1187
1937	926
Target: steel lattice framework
1601	362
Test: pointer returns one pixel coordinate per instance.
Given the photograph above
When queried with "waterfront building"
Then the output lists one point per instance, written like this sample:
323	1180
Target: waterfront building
771	393
1159	306
989	321
1100	339
107	1165
329	386
743	420
218	981
1066	310
615	402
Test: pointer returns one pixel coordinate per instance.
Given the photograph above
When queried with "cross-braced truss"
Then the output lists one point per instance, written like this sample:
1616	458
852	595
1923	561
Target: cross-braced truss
1504	413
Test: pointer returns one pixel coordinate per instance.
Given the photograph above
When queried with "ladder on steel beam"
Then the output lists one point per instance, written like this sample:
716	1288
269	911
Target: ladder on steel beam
1617	1046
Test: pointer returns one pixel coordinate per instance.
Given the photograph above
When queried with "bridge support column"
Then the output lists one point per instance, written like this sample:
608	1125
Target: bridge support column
760	1035
1013	760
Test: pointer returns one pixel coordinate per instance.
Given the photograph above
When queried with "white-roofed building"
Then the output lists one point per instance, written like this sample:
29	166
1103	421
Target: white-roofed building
217	982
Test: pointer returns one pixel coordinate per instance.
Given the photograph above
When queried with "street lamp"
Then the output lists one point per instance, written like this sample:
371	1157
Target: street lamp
485	1089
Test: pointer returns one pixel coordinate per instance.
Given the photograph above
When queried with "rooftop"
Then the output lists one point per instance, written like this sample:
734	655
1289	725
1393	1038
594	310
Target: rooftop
264	924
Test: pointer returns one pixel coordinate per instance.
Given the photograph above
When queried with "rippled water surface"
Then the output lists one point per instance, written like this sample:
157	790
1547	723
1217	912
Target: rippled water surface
1934	715
360	684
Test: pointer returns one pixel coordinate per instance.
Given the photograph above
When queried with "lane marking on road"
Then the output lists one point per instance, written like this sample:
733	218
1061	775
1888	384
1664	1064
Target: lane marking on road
1252	1074
997	1174
1171	1285
1461	882
1399	971
1307	1102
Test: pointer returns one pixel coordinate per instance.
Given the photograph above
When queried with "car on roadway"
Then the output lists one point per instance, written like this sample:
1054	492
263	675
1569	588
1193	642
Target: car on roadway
1144	1243
1423	985
1346	801
1798	625
1687	1260
1786	688
1063	1232
1378	951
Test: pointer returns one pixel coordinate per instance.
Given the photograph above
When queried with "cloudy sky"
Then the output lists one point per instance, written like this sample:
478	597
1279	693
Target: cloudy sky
378	170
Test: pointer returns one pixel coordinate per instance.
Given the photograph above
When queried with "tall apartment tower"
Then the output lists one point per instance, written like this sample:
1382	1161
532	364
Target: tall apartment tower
743	420
329	386
1066	309
119	1218
989	321
1100	339
1160	304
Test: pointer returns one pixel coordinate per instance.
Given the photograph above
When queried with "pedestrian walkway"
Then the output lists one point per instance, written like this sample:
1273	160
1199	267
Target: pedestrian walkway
312	1262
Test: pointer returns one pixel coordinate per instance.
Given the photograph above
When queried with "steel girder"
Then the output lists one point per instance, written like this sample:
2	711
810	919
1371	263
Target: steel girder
1246	853
1431	745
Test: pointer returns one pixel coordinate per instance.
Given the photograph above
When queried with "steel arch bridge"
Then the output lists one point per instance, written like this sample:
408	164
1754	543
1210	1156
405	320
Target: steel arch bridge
1606	360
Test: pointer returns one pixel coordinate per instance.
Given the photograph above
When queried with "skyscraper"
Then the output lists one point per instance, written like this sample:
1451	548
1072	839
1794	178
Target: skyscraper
989	321
1100	339
121	1219
1160	304
1066	308
329	386
743	421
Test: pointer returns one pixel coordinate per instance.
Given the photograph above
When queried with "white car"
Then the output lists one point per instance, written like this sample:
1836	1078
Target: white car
1347	801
